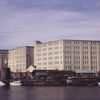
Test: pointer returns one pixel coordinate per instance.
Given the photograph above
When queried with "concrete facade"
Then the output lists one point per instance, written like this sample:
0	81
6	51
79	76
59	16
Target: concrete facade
48	55
21	58
67	55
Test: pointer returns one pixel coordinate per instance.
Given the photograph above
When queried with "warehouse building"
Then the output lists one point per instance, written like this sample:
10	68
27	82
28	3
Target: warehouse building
67	55
20	58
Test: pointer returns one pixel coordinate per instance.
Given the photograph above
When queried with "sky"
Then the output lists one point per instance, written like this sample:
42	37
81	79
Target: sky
24	21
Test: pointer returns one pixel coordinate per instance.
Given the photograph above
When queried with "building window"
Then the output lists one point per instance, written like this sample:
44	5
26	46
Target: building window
44	49
56	43
56	52
50	63
56	62
56	47
50	53
39	50
50	58
50	48
39	63
45	58
44	54
49	44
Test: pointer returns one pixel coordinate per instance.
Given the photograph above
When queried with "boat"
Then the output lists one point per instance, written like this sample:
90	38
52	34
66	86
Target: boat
69	80
75	81
98	83
16	83
2	84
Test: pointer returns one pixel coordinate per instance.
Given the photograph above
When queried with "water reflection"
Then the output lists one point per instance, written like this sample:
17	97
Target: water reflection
49	93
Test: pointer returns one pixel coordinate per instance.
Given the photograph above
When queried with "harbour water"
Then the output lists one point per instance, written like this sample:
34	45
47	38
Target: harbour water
49	93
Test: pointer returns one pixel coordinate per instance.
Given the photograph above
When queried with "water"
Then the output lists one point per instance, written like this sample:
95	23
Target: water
49	93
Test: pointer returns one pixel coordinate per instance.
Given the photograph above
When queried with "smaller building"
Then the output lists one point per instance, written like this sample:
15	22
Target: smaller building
85	74
55	73
30	69
20	58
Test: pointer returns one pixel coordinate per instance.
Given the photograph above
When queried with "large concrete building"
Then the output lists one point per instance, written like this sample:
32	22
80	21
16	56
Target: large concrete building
21	58
67	55
3	61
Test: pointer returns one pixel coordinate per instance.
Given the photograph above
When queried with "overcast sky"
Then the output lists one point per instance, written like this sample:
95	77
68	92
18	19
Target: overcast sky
23	21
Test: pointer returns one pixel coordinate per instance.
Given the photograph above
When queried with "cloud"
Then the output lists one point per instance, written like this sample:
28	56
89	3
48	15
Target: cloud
98	4
1	38
24	25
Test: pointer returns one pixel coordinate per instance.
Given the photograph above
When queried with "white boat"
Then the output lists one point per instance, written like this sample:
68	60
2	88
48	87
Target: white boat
69	80
16	83
99	83
2	84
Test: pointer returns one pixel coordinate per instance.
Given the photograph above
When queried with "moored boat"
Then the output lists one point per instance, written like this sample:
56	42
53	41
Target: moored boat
75	81
2	84
98	83
16	83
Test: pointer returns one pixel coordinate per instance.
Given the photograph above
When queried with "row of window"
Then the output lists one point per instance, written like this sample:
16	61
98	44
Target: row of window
50	53
76	47
78	42
66	62
50	63
76	52
85	62
67	57
50	58
18	65
68	52
93	67
94	62
20	70
78	62
50	48
78	57
17	61
67	47
50	44
78	67
68	67
84	58
85	47
94	57
67	42
18	53
93	53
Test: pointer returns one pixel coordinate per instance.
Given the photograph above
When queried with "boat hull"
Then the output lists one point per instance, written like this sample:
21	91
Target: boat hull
16	83
2	84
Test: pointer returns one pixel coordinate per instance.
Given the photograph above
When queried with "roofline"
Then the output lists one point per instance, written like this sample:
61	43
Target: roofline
22	46
71	40
3	50
82	40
